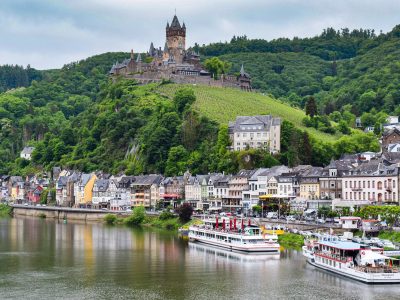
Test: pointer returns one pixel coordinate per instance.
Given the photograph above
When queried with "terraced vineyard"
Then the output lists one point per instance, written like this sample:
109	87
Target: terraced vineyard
224	104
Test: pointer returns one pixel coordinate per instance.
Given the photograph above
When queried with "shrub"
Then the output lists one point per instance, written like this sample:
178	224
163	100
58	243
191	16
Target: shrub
165	215
42	216
110	219
137	217
185	212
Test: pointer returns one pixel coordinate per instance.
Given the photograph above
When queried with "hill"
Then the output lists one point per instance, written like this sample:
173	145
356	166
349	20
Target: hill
224	104
338	68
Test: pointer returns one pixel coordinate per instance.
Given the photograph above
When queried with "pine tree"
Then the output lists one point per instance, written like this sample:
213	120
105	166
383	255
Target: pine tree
311	107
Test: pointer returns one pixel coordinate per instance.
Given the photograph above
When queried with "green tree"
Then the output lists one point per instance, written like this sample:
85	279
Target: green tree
216	66
311	107
177	161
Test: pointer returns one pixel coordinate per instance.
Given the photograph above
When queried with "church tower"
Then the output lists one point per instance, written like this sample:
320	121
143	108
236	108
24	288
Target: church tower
176	39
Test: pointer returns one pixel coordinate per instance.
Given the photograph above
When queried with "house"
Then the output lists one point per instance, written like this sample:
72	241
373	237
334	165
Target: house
220	191
26	153
72	181
391	136
371	182
101	195
330	180
236	185
256	132
16	189
145	190
83	190
119	190
61	191
350	222
171	190
34	194
193	191
309	183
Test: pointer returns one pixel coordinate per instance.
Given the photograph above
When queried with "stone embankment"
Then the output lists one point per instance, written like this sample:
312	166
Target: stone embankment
60	213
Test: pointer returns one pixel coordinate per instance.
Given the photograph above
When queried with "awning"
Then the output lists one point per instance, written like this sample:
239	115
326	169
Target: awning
310	211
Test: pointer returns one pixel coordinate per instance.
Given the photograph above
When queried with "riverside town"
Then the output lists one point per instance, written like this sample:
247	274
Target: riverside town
211	153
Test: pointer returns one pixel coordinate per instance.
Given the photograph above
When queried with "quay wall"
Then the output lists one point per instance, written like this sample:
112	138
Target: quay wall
61	213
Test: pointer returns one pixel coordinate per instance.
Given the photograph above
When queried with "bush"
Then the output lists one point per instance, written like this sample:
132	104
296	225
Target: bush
5	210
110	219
137	217
185	212
42	216
165	215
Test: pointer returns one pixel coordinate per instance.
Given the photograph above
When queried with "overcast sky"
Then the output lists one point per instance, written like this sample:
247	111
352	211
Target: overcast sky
51	33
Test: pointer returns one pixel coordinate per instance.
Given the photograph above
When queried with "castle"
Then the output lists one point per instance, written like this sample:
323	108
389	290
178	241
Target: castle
175	63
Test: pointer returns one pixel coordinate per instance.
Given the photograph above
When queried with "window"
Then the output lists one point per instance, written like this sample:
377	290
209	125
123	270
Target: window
351	184
345	185
369	184
364	184
244	134
258	134
379	185
394	182
251	134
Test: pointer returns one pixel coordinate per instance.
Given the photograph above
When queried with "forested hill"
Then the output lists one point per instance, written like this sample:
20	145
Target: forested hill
17	76
77	117
358	68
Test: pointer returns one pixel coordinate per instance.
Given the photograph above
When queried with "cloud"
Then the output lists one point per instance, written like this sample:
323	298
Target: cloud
48	34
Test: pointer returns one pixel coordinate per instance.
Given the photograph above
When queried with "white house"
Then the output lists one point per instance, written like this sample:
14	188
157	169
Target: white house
350	222
257	132
26	153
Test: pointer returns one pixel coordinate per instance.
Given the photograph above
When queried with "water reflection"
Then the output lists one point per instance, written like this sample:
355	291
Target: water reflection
43	259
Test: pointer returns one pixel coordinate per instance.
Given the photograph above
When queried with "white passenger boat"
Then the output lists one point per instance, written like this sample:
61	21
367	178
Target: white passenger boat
248	239
353	260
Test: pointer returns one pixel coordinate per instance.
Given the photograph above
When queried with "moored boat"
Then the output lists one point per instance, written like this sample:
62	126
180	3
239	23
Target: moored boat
247	239
353	260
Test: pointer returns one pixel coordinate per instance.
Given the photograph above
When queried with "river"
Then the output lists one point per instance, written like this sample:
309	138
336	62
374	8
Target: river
45	259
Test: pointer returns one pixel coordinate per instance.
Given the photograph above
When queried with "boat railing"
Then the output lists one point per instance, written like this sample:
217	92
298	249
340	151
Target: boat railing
379	269
343	259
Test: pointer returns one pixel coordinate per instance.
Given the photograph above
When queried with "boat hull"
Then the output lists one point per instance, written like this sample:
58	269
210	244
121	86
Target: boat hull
368	278
273	248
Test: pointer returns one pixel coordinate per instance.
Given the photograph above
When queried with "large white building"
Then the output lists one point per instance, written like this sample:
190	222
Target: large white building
372	182
256	132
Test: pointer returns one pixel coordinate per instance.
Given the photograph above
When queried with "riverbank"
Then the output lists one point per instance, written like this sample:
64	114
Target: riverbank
5	210
291	240
393	236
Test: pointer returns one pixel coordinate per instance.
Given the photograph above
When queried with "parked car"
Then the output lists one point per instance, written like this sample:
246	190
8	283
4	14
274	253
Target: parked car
388	244
329	220
26	204
321	221
309	218
272	215
290	218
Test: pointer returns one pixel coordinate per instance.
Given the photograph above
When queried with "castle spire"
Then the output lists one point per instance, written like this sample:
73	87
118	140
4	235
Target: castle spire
151	51
175	23
242	72
132	56
139	58
167	25
166	47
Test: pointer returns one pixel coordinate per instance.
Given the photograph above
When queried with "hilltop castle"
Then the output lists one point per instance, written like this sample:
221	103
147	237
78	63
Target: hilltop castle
175	63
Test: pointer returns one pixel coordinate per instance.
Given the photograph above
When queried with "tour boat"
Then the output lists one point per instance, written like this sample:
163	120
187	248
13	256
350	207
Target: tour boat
353	260
247	239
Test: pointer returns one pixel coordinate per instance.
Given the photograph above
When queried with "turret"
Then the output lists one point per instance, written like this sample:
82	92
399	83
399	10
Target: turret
132	55
139	58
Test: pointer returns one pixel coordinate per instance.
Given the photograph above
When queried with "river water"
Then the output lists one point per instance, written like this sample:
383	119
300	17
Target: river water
44	259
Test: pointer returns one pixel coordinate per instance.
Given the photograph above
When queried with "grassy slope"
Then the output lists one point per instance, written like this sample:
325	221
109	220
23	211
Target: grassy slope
224	104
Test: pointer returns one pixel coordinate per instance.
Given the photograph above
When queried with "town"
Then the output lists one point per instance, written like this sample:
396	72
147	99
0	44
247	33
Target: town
352	181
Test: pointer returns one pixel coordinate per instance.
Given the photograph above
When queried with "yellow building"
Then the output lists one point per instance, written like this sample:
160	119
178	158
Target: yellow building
84	189
309	190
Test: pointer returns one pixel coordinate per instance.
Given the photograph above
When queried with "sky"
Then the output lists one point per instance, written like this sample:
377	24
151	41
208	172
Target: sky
50	33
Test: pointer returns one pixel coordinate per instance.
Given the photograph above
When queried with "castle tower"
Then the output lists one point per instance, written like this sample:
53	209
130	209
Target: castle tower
176	39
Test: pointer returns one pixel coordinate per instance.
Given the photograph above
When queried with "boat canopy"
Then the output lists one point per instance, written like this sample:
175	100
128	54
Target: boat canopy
343	245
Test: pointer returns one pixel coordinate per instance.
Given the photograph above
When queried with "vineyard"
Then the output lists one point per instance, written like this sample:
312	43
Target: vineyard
224	104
